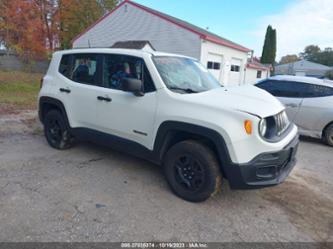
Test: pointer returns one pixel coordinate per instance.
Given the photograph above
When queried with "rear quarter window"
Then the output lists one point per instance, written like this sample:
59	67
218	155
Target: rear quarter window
64	67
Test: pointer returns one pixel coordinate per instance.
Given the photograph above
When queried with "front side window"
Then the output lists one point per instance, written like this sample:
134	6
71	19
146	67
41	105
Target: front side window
118	67
84	69
184	74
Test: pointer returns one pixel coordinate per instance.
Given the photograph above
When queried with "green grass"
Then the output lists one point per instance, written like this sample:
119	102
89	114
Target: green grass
19	89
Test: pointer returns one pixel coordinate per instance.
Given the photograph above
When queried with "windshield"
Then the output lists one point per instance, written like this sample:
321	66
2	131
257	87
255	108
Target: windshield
184	74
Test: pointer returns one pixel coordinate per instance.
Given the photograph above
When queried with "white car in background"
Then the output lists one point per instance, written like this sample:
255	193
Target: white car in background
308	102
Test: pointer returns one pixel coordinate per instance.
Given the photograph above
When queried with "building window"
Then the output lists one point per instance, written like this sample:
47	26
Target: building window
213	65
235	68
259	73
217	66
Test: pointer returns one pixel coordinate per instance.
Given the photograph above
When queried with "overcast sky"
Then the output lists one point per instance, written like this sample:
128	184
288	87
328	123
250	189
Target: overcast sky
298	22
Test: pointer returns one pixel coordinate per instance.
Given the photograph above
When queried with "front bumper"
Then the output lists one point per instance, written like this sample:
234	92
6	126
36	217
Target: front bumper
265	169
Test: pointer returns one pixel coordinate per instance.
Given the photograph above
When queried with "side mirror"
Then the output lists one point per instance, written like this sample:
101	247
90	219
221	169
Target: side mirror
132	85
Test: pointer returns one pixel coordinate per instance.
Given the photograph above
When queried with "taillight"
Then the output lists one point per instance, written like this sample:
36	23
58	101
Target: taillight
41	83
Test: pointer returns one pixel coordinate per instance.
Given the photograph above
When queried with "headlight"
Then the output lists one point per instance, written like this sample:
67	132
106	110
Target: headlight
263	127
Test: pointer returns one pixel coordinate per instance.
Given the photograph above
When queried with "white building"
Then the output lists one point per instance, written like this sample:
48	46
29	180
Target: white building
255	71
302	68
130	21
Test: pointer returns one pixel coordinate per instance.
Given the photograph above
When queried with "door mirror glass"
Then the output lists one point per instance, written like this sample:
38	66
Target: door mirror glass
132	85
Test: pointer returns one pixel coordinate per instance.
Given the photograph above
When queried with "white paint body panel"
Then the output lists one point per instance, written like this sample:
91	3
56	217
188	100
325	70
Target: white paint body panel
223	109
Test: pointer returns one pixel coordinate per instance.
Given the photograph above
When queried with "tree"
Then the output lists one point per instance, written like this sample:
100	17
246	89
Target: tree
289	58
315	54
269	49
77	15
310	53
21	29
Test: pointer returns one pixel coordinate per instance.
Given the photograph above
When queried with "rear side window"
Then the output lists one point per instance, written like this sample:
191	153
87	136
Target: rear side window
321	91
64	67
85	69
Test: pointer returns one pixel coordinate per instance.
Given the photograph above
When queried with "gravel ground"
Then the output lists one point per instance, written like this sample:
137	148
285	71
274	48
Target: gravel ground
91	193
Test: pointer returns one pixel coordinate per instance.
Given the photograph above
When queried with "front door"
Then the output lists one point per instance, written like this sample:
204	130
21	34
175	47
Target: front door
121	113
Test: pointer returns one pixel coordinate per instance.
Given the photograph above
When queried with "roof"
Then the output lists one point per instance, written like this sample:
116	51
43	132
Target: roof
302	79
303	65
257	65
204	34
132	44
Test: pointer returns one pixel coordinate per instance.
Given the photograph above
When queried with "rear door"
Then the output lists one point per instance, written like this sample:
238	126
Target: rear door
316	110
80	88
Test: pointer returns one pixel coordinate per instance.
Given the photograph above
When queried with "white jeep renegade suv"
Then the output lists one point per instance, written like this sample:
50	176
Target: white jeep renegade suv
170	110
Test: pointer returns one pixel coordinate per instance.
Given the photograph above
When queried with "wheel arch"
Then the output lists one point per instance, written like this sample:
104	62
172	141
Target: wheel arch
171	132
48	103
325	127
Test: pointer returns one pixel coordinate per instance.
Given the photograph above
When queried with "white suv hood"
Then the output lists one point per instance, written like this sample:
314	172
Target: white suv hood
245	98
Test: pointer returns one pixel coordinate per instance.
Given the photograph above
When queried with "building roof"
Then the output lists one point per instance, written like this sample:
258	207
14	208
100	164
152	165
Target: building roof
303	65
204	34
132	44
254	64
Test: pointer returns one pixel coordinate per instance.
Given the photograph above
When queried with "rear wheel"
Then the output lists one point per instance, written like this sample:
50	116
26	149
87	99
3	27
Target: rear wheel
56	131
328	135
192	171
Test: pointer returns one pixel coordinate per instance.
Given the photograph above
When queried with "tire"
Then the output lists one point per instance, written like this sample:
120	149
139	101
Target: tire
192	171
56	131
328	135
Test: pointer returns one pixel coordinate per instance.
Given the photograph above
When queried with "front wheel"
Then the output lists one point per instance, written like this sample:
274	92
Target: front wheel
192	171
56	131
328	135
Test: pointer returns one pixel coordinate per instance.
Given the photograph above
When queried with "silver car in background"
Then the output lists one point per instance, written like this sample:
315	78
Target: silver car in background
308	102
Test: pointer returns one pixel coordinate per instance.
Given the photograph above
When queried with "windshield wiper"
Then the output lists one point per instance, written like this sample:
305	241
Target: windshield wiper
187	90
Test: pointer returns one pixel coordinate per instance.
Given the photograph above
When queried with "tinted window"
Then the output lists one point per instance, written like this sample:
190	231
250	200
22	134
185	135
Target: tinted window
289	89
85	69
64	67
279	88
320	91
118	67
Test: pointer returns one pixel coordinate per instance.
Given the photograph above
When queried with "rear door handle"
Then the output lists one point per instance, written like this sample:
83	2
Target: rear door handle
101	98
64	90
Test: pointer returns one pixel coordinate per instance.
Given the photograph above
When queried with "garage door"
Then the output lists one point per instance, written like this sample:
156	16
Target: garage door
235	72
214	65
